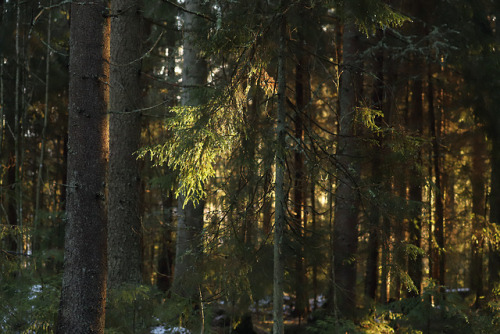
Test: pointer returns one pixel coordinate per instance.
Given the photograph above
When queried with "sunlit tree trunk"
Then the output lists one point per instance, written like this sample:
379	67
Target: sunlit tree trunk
124	214
435	127
478	174
348	175
83	293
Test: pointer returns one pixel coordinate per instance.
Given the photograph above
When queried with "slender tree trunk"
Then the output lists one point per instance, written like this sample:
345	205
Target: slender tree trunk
348	175
415	186
280	200
17	135
83	293
478	174
376	238
303	97
124	213
435	127
166	255
189	250
494	251
39	180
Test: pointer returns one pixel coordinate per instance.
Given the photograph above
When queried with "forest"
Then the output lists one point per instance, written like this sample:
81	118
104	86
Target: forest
264	166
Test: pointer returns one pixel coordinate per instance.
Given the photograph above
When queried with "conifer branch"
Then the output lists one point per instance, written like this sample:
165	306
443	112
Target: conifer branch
206	17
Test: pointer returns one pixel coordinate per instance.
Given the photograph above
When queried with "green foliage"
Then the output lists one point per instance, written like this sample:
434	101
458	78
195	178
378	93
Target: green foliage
183	312
132	309
367	117
371	14
370	325
435	311
29	302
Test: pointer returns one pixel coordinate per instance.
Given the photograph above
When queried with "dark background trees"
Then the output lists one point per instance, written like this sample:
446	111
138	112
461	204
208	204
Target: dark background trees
381	176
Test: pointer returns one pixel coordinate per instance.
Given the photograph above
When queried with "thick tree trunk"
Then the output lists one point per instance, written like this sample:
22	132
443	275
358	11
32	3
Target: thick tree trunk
84	281
124	214
189	250
348	175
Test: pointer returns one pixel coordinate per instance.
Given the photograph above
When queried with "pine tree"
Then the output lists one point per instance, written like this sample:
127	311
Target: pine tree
83	295
124	214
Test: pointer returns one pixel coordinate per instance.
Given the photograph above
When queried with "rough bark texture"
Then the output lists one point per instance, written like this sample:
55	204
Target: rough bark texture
190	215
84	280
347	196
124	218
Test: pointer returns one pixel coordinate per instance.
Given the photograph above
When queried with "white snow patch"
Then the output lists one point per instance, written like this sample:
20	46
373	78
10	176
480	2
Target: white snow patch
169	330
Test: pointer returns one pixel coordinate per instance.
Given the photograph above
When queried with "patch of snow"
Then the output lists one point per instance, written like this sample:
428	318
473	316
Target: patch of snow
35	290
169	330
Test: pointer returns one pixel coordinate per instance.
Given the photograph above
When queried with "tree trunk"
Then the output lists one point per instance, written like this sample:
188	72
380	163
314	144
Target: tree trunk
280	200
39	179
83	293
124	214
303	97
415	185
435	127
189	250
348	175
478	174
494	251
377	180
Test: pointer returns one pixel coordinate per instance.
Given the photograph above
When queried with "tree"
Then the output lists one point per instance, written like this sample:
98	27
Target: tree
348	162
280	199
187	276
83	293
124	214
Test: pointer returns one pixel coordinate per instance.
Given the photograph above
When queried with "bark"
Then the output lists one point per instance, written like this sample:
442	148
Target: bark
83	293
494	251
415	185
435	127
478	174
377	179
280	200
348	175
18	135
187	276
166	255
303	97
124	213
39	180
